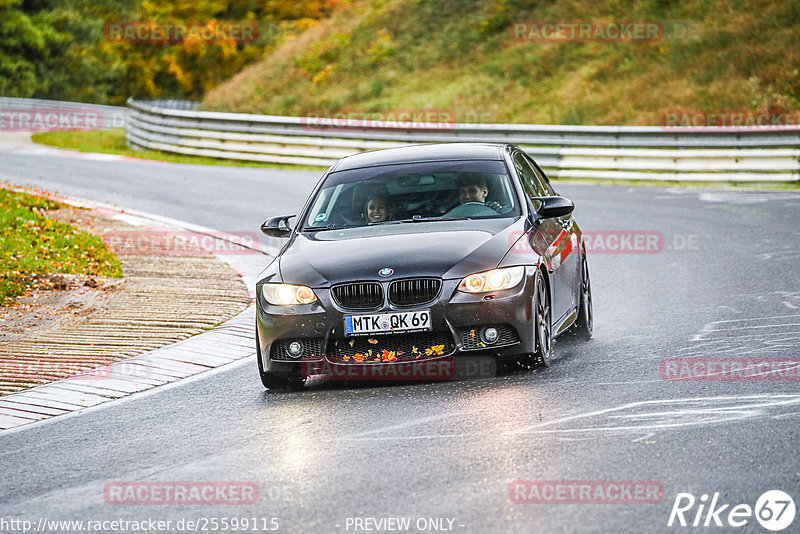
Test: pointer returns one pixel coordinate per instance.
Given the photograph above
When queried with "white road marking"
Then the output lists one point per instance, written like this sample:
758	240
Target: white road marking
781	416
700	411
753	336
703	415
642	438
739	324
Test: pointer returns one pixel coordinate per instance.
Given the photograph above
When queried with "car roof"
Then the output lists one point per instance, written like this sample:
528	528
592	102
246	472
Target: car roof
422	153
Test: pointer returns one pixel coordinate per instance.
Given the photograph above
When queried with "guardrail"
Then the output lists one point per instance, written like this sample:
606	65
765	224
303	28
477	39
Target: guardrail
30	114
598	152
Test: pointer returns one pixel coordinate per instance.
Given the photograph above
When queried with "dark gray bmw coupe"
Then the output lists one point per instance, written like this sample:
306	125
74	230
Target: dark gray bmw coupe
405	259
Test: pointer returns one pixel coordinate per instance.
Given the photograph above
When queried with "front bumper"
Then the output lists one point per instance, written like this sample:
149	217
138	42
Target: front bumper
457	319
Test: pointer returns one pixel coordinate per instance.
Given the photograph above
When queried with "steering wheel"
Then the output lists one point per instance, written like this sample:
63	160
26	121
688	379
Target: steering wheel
470	209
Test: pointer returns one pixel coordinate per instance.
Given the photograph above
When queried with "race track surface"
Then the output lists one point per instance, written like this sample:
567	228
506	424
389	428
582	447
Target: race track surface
723	283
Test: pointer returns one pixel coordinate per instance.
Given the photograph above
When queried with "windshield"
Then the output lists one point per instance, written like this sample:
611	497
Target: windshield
396	194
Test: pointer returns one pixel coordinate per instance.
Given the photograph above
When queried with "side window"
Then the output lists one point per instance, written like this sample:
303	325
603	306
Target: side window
534	187
541	175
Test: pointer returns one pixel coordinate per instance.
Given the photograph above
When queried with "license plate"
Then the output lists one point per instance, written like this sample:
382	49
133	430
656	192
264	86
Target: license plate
383	323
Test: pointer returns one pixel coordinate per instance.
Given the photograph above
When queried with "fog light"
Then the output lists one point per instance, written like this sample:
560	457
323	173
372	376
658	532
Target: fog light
295	349
489	335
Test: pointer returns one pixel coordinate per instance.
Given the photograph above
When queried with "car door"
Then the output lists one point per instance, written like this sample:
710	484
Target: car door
548	237
567	253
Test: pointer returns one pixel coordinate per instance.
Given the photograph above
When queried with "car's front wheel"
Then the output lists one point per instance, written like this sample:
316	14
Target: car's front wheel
543	325
542	328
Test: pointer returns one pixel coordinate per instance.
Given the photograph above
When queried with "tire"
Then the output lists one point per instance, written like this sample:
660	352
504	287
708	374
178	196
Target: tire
584	324
541	308
277	381
542	323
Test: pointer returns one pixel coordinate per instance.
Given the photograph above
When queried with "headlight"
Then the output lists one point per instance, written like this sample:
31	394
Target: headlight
493	280
287	294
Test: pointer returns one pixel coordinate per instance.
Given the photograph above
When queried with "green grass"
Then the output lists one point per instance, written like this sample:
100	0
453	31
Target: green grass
113	142
460	56
33	246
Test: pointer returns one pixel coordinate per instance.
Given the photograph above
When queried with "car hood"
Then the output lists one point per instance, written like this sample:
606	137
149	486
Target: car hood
447	249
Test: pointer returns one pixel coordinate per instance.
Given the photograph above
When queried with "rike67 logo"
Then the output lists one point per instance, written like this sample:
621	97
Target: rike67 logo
774	510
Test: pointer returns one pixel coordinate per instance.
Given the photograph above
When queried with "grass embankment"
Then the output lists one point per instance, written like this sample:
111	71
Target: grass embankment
113	142
34	247
462	57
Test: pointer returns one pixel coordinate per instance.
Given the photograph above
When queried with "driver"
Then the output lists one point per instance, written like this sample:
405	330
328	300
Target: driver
473	188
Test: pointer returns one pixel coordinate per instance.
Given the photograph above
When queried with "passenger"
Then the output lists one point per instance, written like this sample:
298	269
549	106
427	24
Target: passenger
377	209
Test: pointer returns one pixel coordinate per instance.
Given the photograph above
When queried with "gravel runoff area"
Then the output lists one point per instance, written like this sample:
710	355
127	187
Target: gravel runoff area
173	287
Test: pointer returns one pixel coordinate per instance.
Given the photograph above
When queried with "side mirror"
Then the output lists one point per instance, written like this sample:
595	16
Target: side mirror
277	226
554	207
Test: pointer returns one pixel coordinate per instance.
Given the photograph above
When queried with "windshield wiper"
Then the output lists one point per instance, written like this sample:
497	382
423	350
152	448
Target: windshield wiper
329	227
420	218
414	219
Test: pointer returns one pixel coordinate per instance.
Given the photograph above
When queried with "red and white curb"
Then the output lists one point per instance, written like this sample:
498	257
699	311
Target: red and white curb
232	341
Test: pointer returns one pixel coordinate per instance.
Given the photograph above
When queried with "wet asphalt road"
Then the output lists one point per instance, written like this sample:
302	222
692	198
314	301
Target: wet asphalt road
724	284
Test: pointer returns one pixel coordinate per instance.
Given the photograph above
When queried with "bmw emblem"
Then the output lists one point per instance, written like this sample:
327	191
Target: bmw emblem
386	271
